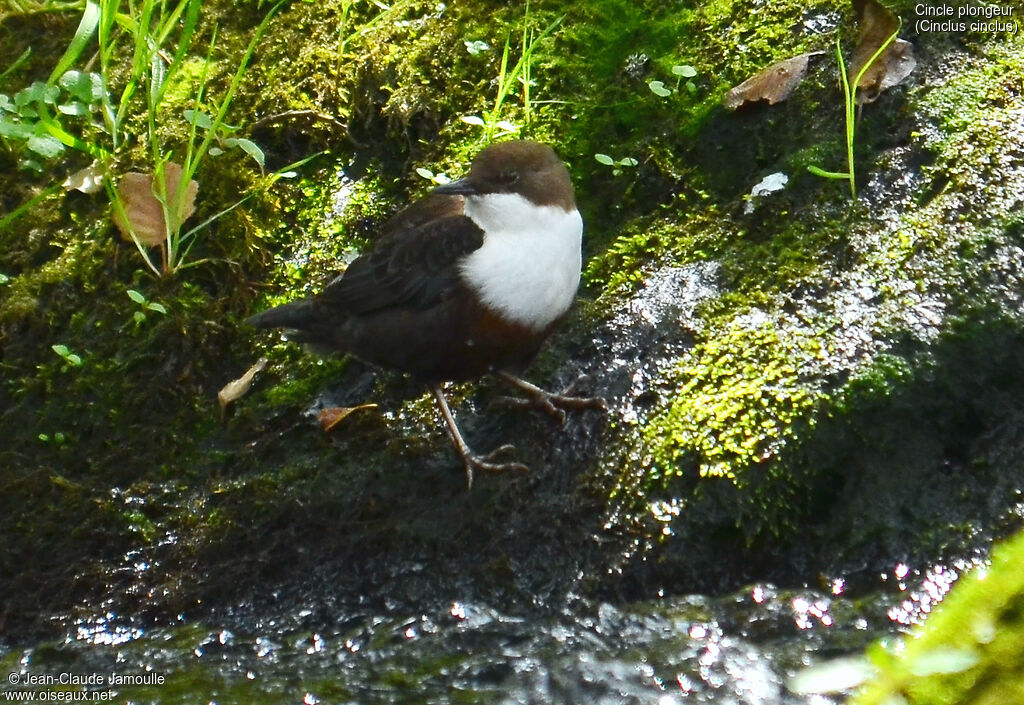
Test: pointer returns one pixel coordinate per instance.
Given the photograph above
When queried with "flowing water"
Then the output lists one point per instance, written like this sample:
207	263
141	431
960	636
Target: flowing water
741	647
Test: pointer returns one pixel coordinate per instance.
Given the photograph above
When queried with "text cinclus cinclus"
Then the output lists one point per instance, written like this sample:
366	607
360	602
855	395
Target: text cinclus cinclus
469	280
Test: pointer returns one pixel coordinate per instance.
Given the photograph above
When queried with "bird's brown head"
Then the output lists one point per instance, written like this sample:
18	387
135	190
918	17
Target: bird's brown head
523	167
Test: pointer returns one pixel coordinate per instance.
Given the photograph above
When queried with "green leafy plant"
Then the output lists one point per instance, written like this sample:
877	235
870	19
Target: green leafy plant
617	165
222	134
439	179
521	73
476	47
19	123
158	34
153	70
687	72
144	305
68	356
58	439
850	104
681	71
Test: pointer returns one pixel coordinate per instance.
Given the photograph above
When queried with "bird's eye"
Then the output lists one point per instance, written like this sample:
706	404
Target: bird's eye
509	176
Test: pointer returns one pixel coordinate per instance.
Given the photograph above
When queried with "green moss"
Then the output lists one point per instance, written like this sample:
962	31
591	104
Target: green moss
970	651
74	258
306	374
962	104
384	88
651	241
742	392
329	226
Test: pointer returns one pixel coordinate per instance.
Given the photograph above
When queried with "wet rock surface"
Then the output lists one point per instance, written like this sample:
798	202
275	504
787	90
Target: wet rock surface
815	425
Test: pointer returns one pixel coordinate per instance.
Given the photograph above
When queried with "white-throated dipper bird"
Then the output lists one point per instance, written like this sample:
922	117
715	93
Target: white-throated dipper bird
469	280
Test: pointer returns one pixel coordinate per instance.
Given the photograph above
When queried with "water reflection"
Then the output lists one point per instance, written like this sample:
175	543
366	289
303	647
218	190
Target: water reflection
740	648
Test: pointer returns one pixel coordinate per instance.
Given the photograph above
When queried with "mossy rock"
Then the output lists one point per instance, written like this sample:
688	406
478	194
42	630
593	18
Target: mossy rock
750	406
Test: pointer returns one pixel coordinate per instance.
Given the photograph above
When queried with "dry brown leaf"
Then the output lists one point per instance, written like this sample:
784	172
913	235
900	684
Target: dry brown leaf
774	84
877	24
332	416
890	69
237	388
144	211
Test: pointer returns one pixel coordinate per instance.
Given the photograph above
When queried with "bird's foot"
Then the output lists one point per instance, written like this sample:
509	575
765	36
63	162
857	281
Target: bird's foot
554	405
489	463
470	460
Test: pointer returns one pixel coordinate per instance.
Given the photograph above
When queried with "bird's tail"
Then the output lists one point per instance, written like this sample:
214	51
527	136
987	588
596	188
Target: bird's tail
305	321
300	315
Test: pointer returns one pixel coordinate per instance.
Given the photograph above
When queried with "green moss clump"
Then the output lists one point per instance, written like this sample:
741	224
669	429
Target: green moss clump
383	89
741	392
969	651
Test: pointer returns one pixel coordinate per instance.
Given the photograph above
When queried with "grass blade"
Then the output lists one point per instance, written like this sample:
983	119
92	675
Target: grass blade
17	62
817	171
225	103
86	28
55	130
6	221
157	77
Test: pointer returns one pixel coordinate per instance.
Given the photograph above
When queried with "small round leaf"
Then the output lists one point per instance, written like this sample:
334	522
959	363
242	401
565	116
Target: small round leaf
658	89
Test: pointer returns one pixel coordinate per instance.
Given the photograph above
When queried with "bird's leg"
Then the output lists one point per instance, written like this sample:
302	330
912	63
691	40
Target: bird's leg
552	404
471	460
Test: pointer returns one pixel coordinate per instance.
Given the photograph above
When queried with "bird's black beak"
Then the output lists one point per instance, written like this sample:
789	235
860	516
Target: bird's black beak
461	187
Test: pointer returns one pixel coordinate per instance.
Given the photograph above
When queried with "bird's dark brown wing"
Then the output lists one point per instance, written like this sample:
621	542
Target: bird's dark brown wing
414	263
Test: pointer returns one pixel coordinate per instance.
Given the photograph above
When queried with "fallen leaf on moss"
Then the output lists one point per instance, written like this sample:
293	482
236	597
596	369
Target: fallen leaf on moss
332	416
765	187
144	212
87	180
237	388
774	84
877	24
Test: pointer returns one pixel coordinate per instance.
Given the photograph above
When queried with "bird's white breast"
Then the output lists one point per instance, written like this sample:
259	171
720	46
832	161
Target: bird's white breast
528	268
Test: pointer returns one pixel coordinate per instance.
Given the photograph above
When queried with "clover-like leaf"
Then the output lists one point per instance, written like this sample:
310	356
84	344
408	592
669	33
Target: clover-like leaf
38	92
65	352
658	89
86	87
45	146
247	146
15	130
476	47
75	108
199	119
